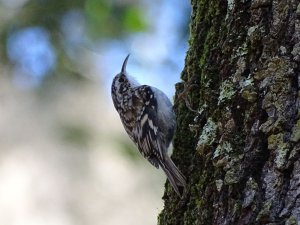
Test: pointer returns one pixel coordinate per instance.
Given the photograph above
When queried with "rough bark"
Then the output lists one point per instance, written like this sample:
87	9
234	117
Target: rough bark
240	150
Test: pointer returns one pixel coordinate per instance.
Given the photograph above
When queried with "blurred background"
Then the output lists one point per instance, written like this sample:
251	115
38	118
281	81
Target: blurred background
65	158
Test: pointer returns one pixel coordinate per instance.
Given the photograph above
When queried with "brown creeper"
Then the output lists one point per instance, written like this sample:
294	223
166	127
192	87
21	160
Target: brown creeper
149	120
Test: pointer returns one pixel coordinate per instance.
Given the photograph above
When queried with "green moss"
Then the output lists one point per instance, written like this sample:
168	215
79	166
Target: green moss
236	208
232	176
260	75
296	132
276	142
249	95
264	212
206	50
292	220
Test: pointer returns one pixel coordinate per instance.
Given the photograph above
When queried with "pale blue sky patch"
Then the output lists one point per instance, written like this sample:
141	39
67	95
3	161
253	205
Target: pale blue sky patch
32	53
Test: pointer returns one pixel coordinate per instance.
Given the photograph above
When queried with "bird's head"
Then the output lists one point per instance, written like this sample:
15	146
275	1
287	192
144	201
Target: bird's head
122	84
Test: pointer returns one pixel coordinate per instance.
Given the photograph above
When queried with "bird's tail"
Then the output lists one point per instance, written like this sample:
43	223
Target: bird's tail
174	175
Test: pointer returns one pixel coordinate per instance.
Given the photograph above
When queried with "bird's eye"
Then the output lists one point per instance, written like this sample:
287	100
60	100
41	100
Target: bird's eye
121	79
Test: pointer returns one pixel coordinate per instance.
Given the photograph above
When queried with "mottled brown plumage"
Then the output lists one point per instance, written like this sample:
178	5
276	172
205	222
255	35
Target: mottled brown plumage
148	118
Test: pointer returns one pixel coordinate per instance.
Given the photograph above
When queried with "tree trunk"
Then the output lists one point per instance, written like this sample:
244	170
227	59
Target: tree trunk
238	119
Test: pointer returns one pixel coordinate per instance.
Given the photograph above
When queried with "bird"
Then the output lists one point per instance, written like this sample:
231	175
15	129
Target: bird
149	120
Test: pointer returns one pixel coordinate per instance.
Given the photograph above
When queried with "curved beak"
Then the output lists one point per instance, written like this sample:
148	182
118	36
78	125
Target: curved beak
124	64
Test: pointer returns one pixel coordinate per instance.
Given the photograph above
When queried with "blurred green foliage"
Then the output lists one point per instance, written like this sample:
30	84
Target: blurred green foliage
103	19
128	149
133	20
106	19
75	134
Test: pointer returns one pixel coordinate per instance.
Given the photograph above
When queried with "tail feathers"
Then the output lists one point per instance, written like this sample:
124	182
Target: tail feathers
174	175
